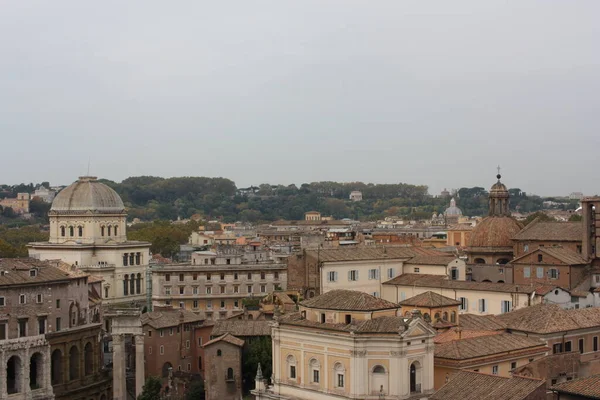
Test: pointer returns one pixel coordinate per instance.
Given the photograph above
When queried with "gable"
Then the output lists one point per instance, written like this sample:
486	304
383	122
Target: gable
531	258
417	328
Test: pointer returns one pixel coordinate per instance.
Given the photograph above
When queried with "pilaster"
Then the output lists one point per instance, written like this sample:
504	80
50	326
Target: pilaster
139	364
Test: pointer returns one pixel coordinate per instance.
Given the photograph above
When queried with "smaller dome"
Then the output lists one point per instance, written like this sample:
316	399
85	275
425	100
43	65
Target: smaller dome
453	210
87	194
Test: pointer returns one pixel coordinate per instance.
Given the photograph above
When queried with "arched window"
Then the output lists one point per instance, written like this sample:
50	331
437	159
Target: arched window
35	371
132	284
56	376
339	373
291	366
379	380
427	317
479	261
503	261
102	230
138	283
453	316
73	315
445	316
436	316
71	231
229	374
415	377
166	368
315	370
74	363
14	375
219	353
88	356
63	231
126	285
116	230
109	229
80	231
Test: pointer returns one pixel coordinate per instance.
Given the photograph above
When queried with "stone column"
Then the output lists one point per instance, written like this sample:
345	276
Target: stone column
26	364
3	391
119	378
139	364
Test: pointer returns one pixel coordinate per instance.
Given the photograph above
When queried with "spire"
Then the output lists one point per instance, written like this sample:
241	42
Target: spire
259	375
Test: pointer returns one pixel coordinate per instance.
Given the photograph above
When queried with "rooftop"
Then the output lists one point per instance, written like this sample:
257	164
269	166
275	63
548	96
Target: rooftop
551	231
229	338
487	345
566	256
166	319
442	259
431	300
467	385
15	271
348	300
238	327
550	318
370	253
481	322
588	387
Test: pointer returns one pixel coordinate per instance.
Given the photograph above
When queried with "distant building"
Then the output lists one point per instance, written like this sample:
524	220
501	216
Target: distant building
356	195
312	216
444	193
47	195
576	196
452	213
20	204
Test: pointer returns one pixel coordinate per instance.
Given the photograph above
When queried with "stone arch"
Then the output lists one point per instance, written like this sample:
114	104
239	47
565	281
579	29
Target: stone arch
73	363
479	261
500	281
486	280
71	231
79	230
166	368
56	369
88	357
229	374
63	231
132	284
436	316
415	371
503	261
102	230
109	229
379	380
14	375
445	316
36	374
116	230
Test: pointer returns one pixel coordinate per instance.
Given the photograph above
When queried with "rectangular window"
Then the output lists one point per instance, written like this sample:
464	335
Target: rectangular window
391	273
374	273
340	380
315	376
187	344
235	276
353	275
161	333
41	325
22	299
464	305
375	294
332	276
568	347
195	304
168	277
275	275
249	275
236	304
208	303
292	371
222	304
553	273
149	333
482	305
513	365
208	277
58	303
150	349
495	370
506	306
236	289
595	343
416	270
581	346
540	272
189	367
57	325
181	277
38	298
2	302
181	289
22	327
195	277
222	289
199	341
222	276
162	349
263	288
195	290
454	274
527	272
3	332
209	290
263	276
249	288
557	348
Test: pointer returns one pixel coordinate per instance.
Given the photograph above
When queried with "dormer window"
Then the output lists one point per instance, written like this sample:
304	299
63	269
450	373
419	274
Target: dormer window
33	273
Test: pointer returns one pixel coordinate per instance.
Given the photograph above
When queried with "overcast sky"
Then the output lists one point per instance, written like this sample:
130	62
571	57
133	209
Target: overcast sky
424	92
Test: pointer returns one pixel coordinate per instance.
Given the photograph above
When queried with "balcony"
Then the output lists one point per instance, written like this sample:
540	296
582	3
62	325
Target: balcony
97	267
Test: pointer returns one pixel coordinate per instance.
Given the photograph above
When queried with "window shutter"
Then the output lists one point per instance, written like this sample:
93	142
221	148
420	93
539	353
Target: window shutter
356	274
349	275
335	275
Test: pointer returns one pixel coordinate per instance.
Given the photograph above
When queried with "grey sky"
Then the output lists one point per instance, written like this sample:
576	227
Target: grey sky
434	93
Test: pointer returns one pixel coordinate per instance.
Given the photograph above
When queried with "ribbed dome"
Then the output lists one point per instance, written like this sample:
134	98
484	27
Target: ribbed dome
494	232
87	194
453	210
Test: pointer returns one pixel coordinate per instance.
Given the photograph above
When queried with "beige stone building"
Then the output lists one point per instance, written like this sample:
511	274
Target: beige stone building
223	374
88	229
351	345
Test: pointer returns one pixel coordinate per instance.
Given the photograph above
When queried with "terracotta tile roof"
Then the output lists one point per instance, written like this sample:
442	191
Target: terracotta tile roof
430	299
459	333
588	387
550	318
348	300
442	281
370	253
443	259
494	232
15	271
467	385
461	227
481	322
392	325
166	319
487	345
566	256
229	338
242	327
552	231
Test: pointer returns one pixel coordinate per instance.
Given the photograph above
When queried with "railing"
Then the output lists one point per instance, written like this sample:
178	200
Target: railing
97	266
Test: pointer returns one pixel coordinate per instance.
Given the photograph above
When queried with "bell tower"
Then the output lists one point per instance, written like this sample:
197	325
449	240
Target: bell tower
499	199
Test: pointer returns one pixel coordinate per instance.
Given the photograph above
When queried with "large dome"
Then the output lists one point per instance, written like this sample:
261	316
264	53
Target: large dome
495	232
87	194
453	210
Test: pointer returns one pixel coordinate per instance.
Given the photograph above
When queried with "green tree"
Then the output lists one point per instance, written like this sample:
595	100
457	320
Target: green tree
258	350
151	390
575	218
543	217
196	391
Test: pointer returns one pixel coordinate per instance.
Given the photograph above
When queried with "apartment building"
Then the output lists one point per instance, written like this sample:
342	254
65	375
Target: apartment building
214	285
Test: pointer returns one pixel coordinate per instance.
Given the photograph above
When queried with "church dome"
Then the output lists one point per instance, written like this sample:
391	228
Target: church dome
494	232
87	194
453	210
